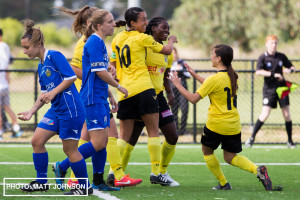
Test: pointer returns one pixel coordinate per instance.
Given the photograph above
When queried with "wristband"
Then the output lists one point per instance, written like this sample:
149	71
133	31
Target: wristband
272	74
119	86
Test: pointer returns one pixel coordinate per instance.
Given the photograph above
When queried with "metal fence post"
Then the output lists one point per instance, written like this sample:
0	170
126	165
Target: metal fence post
195	114
35	96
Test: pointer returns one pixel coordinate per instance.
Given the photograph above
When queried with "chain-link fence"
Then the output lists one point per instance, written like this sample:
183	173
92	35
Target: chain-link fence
24	90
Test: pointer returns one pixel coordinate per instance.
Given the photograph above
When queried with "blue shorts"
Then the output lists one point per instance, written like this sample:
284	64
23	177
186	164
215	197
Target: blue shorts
66	128
97	116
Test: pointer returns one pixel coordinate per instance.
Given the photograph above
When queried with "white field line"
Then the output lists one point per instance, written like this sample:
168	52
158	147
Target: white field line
143	146
147	163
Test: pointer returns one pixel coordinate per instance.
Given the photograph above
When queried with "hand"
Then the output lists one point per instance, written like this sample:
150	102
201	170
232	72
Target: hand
47	97
173	38
114	105
189	69
278	76
25	116
112	70
171	99
173	77
124	91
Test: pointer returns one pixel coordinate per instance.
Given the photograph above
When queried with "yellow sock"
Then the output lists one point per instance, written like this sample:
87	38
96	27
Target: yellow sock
154	148
244	163
214	166
122	145
114	158
126	155
80	142
167	153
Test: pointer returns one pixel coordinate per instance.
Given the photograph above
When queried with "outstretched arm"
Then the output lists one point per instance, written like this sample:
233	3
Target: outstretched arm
193	98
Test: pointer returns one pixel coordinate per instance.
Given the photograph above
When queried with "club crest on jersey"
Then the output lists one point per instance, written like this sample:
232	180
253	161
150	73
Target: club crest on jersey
269	64
48	73
166	58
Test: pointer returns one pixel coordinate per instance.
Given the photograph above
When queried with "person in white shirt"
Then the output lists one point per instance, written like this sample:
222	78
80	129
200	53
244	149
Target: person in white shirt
4	91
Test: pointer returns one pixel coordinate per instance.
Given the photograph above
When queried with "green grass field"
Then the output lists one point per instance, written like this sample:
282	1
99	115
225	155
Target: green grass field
187	167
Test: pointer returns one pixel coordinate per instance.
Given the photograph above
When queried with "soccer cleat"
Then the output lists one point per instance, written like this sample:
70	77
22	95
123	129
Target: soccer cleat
291	145
227	186
173	183
110	180
59	174
126	181
104	187
249	143
263	176
35	186
79	192
17	134
159	179
71	182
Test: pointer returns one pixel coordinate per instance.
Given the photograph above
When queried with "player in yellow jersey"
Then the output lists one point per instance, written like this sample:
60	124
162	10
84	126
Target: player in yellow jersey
223	125
79	26
141	103
159	67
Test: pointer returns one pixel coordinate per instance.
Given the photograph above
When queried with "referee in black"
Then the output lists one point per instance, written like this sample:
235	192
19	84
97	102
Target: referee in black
270	65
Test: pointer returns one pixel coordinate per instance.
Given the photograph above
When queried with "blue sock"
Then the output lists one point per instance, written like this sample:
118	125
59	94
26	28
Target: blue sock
40	161
98	160
80	171
86	150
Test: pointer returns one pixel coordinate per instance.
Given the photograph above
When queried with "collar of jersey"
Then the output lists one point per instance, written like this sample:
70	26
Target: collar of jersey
45	55
222	70
97	35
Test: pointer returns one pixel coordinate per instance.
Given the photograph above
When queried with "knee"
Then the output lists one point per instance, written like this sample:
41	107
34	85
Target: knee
228	160
172	140
36	143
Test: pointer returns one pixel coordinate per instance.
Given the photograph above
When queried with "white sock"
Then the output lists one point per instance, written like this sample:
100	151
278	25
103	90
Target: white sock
16	128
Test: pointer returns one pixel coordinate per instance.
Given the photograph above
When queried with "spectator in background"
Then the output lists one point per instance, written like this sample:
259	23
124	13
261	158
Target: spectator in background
180	102
270	66
4	92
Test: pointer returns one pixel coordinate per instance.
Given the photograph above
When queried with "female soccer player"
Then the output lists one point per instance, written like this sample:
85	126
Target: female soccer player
223	125
141	103
158	67
99	158
65	117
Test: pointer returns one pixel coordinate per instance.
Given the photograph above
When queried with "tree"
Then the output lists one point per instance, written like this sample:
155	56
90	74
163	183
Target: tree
236	22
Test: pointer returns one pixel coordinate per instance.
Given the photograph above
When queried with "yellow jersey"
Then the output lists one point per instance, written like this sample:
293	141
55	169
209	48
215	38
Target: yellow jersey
129	53
223	116
157	64
77	59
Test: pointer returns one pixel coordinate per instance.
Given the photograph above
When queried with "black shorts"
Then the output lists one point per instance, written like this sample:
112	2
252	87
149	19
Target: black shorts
138	105
230	143
270	98
165	113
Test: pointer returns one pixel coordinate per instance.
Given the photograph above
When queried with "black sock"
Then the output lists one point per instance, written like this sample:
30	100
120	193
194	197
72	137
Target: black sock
257	126
98	178
288	127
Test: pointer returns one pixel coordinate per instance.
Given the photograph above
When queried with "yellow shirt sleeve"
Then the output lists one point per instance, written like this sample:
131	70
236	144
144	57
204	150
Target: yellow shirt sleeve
149	42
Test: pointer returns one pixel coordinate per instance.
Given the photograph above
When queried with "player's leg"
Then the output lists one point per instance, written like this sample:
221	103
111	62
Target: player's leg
285	108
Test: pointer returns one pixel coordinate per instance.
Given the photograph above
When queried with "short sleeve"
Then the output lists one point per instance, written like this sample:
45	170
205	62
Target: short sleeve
260	63
113	57
207	87
286	62
63	66
149	42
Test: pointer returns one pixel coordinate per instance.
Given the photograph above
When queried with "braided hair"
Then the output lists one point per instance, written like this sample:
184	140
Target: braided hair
153	22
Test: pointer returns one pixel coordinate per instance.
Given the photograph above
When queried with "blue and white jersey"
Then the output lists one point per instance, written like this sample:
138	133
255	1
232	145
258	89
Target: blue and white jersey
52	72
94	89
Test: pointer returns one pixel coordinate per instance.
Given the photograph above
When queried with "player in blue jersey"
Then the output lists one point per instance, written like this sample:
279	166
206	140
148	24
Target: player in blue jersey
79	26
65	117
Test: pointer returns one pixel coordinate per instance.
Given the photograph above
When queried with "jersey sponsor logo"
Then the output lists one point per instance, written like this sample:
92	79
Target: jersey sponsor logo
162	70
48	121
265	101
50	86
96	64
75	131
113	55
152	68
48	73
166	113
269	64
280	63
